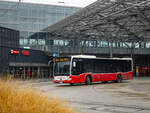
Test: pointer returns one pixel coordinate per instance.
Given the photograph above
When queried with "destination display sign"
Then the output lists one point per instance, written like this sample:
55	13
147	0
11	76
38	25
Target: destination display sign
61	59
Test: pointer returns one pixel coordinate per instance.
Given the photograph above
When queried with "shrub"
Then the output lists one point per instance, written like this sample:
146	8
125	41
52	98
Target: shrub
13	100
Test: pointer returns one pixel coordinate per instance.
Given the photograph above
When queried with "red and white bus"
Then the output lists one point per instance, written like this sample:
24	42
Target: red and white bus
89	69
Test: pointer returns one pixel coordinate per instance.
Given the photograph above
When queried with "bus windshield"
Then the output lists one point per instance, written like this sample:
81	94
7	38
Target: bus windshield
62	67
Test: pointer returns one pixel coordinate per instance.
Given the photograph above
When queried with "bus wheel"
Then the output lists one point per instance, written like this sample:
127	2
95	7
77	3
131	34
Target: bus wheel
88	80
71	84
119	79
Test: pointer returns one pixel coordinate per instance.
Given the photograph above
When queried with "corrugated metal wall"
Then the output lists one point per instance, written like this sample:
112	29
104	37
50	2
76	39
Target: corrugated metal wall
8	39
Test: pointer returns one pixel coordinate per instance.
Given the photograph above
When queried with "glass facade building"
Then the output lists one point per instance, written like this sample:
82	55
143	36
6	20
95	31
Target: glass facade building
30	18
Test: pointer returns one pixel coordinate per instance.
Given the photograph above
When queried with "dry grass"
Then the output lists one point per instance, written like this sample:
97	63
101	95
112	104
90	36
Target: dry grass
13	100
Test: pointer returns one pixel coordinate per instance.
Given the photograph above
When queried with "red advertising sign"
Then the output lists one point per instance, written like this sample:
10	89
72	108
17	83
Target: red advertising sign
16	52
25	52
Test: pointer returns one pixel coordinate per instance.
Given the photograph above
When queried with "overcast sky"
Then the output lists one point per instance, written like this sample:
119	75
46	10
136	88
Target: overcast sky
78	3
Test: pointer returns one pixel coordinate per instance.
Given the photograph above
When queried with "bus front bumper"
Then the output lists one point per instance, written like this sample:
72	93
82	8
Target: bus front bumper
63	81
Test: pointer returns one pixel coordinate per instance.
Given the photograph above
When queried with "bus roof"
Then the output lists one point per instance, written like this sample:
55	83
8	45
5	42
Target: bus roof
94	57
83	56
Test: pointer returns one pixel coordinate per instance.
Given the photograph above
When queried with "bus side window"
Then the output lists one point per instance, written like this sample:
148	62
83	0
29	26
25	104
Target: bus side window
88	66
77	68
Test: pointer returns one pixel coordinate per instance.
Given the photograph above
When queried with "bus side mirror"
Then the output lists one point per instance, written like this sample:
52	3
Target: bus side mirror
74	64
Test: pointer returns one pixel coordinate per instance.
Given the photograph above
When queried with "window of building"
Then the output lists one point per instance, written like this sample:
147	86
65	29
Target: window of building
104	44
58	42
137	45
147	44
23	41
32	41
41	42
24	34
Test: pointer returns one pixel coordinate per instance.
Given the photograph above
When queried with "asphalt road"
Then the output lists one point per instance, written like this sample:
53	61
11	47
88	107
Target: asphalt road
131	96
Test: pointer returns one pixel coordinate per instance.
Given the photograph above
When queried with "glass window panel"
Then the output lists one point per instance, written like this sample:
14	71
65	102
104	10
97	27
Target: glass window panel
92	43
41	27
124	45
4	17
41	41
147	44
24	12
23	19
24	34
98	43
21	41
58	42
12	26
25	41
66	43
31	33
142	45
1	12
121	44
4	5
30	27
104	43
32	42
137	45
128	44
13	15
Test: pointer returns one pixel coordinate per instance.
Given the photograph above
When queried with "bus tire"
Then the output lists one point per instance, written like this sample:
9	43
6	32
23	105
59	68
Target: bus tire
119	79
88	80
71	84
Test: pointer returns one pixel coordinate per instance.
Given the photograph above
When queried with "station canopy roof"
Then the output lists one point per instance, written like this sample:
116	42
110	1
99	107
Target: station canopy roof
111	20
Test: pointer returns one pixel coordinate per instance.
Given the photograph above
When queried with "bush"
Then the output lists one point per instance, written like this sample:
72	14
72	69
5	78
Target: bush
13	100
